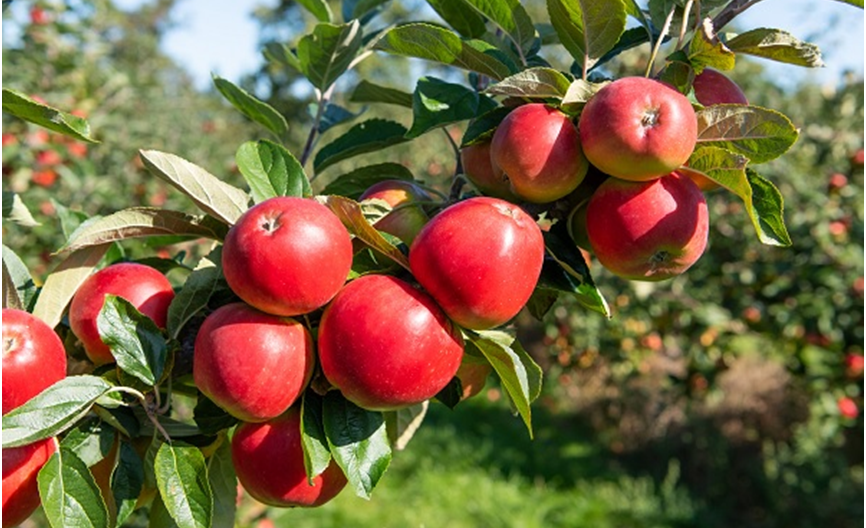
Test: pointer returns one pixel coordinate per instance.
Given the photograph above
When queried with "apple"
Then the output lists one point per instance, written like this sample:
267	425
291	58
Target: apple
853	365
848	407
387	345
44	178
649	231
252	364
144	287
473	374
638	129
21	466
268	458
479	170
538	149
480	259
408	217
33	357
712	88
287	256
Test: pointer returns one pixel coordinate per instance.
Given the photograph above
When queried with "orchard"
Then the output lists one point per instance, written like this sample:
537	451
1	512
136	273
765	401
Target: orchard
280	332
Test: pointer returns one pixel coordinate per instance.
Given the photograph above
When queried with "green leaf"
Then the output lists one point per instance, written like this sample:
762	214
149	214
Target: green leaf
567	272
271	170
69	219
258	111
540	302
127	481
213	196
63	282
579	92
588	29
134	339
509	16
182	481
327	52
433	43
855	3
353	184
54	410
369	136
402	424
205	280
460	16
358	440
484	126
317	456
706	50
777	45
535	82
368	92
16	211
332	116
768	206
280	54
70	496
210	418
437	103
758	133
224	483
19	105
11	299
318	8
91	441
362	10
17	282
451	394
159	517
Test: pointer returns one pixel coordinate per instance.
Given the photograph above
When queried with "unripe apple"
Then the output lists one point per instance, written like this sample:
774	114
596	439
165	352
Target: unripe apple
144	287
712	88
648	231
287	256
21	466
408	218
479	170
33	357
252	364
538	149
387	345
268	458
638	129
480	259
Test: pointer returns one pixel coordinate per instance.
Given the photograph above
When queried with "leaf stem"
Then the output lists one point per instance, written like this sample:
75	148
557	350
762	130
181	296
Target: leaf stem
665	29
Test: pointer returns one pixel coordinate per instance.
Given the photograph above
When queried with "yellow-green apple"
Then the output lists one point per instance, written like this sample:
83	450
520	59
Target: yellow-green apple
480	259
387	345
650	230
713	87
144	287
268	458
252	364
287	256
33	357
21	465
478	169
538	149
638	129
407	216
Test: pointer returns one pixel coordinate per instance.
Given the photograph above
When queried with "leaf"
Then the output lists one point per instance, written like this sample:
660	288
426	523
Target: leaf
540	302
327	52
484	126
510	17
63	282
588	29
566	271
403	423
429	42
19	105
369	136
216	198
579	92
535	82
353	184
15	211
460	16
134	339
368	92
270	170
127	481
91	441
18	285
182	481
69	219
777	45
70	496
280	54
758	133
451	394
195	293
11	298
224	484
363	10
437	103
210	418
706	50
258	111
158	516
318	8
349	212
53	410
317	456
332	116
358	441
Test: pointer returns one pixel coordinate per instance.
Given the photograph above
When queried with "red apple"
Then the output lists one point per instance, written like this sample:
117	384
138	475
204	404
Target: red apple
33	357
712	88
638	129
854	365
648	230
479	170
538	149
480	259
44	178
287	256
848	407
252	364
269	461
144	287
387	345
21	465
408	217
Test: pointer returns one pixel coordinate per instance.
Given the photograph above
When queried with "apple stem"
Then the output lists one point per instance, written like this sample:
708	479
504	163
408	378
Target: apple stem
665	29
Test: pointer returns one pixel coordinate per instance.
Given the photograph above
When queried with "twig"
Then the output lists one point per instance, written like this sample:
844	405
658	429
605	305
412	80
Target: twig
686	11
731	11
665	29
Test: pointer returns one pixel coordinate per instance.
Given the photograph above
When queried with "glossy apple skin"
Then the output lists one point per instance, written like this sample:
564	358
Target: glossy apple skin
21	465
638	129
538	149
480	259
145	287
287	256
405	222
479	170
713	87
252	364
33	357
387	345
269	462
648	231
